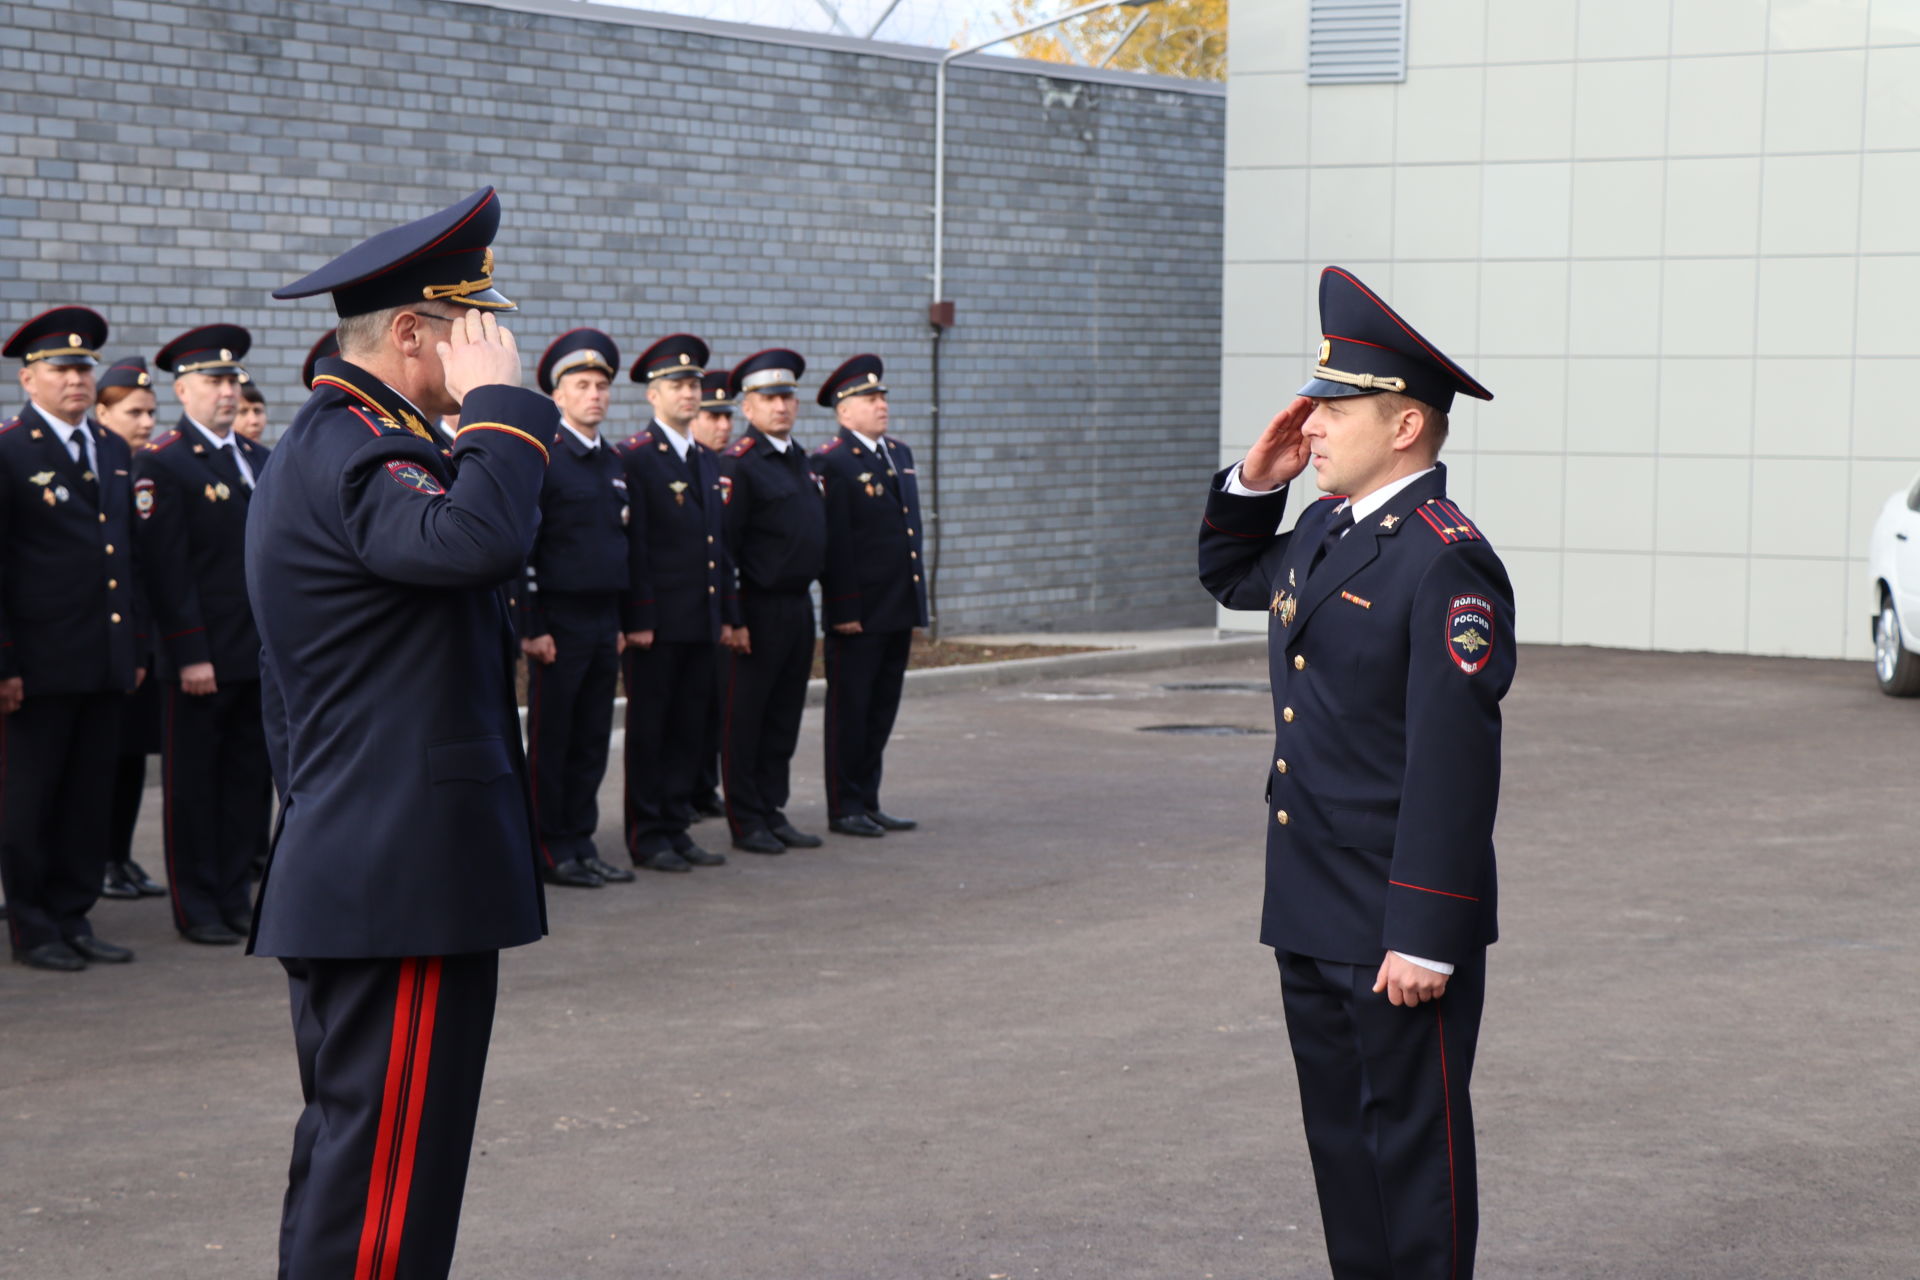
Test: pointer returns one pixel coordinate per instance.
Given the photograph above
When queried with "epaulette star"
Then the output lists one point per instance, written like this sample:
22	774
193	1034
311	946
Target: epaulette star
740	450
1447	522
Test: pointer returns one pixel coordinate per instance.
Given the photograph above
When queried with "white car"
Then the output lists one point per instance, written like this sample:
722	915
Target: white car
1893	560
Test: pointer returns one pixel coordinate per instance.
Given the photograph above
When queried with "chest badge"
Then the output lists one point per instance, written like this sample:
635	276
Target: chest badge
1387	522
725	486
679	488
40	480
1284	607
1290	581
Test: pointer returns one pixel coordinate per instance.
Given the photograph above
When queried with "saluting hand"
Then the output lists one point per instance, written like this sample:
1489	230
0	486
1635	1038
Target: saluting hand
479	352
1281	452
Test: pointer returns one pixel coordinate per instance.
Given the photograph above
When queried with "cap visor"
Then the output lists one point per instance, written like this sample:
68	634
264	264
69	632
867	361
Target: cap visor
485	300
84	362
1321	389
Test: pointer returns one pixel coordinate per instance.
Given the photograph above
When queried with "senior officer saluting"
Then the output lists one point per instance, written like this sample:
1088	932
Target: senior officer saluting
571	612
69	641
872	592
676	560
405	856
191	488
1391	638
776	525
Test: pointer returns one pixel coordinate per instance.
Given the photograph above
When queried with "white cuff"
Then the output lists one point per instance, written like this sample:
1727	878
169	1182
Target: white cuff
1238	490
1438	966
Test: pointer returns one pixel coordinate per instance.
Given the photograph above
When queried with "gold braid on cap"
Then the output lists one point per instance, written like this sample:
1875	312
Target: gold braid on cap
435	292
1365	381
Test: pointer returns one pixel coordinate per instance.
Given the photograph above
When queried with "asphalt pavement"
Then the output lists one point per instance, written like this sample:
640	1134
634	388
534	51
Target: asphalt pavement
1037	1037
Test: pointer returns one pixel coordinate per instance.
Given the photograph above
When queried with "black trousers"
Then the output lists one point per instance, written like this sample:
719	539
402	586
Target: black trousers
865	674
569	719
140	729
706	782
1383	1090
766	696
56	794
392	1052
217	788
669	689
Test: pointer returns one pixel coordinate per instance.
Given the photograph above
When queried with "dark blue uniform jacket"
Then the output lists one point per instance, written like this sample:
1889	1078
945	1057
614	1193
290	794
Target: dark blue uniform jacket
70	611
1388	666
387	673
581	548
874	574
676	551
776	521
193	536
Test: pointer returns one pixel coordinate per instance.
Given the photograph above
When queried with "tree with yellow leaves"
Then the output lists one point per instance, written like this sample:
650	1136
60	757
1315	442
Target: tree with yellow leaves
1185	38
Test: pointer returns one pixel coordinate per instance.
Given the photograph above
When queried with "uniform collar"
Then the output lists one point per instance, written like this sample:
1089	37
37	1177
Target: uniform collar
587	446
1379	498
213	441
388	407
874	443
681	445
65	428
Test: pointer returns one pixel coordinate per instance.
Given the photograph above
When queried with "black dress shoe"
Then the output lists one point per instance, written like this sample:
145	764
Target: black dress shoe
50	955
759	842
93	949
857	824
212	935
575	873
663	860
115	883
699	857
139	879
709	807
794	838
892	823
606	870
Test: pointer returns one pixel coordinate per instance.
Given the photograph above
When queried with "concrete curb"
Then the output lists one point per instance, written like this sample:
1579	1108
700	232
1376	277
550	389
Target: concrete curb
988	675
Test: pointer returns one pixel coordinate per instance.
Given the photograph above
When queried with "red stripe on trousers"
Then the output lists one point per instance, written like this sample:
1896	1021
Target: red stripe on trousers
415	999
180	920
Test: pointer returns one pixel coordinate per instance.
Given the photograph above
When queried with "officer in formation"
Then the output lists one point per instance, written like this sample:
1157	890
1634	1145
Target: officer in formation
571	611
713	428
406	855
124	403
192	487
776	540
873	592
676	566
70	641
1392	643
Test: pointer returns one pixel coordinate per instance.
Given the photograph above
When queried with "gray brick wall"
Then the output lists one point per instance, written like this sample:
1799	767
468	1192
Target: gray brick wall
657	174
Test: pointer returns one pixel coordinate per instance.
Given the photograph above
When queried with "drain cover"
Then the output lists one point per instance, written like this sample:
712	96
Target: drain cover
1204	730
1218	686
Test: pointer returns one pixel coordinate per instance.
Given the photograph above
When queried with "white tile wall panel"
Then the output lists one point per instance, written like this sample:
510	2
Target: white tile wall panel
1805	307
1716	103
1810	204
1719	26
1613	407
1707	307
1814	101
1800	408
1445	32
1700	604
1619	208
1350	214
1706	407
1523	308
1610	503
1265	217
1625	29
1894	22
1702	506
1351	123
1893	98
1529	112
1888	183
1525	414
1889	319
1530	30
1797	606
1800	507
1606	598
1610	303
1818	24
1267	120
1884	424
1437	212
1620	109
1536	577
1439	113
1517	499
1713	206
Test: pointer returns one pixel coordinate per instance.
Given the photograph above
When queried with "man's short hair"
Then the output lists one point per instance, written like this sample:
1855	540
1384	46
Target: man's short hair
1392	403
359	335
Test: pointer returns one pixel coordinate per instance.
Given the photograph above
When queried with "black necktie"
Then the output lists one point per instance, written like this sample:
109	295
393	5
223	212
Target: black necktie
1341	522
228	467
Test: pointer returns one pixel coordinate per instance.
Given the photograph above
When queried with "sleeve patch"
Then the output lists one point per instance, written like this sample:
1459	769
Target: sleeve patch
726	489
1470	633
411	475
143	498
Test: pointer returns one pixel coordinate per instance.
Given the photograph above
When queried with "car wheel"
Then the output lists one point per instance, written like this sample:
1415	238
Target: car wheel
1897	670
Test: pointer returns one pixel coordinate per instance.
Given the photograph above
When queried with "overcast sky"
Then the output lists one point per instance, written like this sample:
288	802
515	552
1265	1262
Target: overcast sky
929	22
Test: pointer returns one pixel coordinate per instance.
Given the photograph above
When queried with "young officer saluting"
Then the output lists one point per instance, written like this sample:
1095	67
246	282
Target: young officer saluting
1391	640
405	858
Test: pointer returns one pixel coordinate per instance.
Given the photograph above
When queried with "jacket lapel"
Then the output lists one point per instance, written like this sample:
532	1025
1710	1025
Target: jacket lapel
1361	546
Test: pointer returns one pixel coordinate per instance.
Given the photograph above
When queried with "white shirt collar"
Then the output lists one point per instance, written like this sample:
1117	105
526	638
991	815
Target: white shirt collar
57	422
1382	496
674	438
218	442
779	445
872	442
585	443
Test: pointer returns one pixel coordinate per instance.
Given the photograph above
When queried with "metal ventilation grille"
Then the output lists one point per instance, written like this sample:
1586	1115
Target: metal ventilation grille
1356	41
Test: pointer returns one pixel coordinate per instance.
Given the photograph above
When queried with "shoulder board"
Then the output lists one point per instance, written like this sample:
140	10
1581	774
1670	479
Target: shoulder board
831	445
8	425
162	440
1447	522
740	450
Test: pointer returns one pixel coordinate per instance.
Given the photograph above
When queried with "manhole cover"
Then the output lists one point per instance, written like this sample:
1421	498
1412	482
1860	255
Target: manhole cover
1218	686
1204	730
